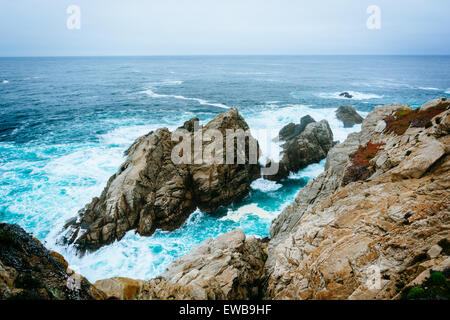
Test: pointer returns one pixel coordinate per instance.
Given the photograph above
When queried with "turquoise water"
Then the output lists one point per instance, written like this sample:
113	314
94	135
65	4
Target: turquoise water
65	122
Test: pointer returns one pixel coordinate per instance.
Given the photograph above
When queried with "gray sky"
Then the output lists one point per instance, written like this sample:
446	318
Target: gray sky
177	27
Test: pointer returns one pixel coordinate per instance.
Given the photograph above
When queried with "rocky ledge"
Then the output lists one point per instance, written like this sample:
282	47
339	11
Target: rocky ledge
149	191
376	223
29	271
229	267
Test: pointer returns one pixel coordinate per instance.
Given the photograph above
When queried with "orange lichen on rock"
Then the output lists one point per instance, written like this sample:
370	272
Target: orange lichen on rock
403	119
360	168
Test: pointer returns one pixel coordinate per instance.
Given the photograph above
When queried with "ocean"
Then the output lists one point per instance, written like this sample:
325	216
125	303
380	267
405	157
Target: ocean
65	123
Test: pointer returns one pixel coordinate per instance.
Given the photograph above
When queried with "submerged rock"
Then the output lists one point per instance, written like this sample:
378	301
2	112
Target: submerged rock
349	116
346	95
305	143
228	267
150	192
29	271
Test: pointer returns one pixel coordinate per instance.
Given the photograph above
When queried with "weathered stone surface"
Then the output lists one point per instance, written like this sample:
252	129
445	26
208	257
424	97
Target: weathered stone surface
349	116
29	271
119	287
332	240
228	267
292	129
149	191
303	147
435	103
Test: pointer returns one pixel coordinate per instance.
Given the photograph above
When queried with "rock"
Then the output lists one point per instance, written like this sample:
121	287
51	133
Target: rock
119	288
349	116
360	240
29	271
310	145
150	192
434	251
346	95
291	130
444	102
228	267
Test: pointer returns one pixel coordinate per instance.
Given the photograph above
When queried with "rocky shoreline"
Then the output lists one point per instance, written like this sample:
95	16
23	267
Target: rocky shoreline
374	225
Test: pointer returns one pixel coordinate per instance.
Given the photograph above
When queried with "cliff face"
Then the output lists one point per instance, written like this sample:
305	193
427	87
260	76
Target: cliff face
29	271
377	219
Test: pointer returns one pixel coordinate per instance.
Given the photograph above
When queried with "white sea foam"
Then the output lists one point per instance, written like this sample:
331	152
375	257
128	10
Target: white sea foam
170	82
429	89
447	91
356	95
152	94
244	211
312	171
125	135
5	81
265	185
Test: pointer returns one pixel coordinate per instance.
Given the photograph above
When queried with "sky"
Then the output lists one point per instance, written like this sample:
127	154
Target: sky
222	27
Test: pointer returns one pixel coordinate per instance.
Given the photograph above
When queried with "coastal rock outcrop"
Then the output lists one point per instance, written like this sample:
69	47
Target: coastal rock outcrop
228	267
29	271
377	220
150	191
348	116
305	143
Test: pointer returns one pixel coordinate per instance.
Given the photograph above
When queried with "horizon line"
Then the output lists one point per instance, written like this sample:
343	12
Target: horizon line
231	55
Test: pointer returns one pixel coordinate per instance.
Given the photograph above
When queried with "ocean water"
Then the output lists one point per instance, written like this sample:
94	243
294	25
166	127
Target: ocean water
65	122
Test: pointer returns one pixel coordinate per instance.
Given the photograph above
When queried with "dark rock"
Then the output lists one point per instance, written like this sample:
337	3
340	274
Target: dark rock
190	124
310	145
150	192
292	129
29	271
349	116
346	95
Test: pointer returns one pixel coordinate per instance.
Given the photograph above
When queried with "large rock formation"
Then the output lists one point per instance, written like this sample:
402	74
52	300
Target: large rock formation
29	271
305	143
229	267
348	116
377	221
150	191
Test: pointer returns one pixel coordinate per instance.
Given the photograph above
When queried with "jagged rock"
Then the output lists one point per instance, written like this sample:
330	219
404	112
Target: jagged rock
360	240
228	267
349	116
301	149
150	192
29	271
292	129
346	95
